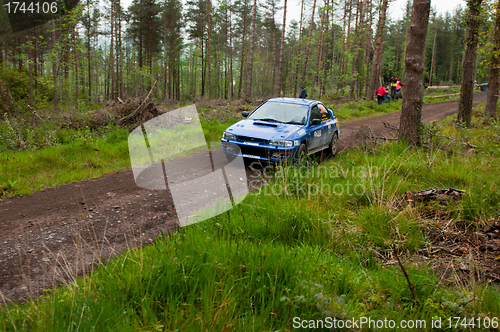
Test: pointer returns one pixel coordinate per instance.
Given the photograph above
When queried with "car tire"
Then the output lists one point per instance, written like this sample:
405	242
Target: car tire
332	148
302	154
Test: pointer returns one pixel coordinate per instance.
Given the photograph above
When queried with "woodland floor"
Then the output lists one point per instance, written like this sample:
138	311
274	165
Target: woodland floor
55	235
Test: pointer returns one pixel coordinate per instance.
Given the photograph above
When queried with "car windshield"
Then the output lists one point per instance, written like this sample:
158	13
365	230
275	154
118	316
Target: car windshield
281	112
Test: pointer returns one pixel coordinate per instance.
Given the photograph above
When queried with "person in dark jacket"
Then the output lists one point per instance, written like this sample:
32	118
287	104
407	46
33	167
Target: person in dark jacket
303	93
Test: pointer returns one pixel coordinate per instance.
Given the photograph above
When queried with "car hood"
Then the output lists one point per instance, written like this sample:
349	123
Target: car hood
264	130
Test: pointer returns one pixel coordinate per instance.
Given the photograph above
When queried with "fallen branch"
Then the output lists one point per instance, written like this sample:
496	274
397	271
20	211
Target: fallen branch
390	126
131	115
469	145
410	285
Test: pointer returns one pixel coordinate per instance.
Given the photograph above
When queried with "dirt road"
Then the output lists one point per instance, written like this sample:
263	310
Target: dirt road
57	234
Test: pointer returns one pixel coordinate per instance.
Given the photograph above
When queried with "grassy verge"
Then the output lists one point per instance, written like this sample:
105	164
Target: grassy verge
357	110
313	243
23	172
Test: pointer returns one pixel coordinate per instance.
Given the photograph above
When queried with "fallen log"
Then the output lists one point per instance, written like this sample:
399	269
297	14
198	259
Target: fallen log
433	194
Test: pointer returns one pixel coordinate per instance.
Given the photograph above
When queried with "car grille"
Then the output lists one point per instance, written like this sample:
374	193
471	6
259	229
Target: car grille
252	139
254	151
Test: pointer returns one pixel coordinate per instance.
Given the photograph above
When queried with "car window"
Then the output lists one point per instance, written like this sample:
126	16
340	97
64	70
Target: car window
315	113
281	112
325	115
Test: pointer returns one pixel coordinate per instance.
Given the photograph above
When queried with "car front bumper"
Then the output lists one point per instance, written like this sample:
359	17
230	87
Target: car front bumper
259	151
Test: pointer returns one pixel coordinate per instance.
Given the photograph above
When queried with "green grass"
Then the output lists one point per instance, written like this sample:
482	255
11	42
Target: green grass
306	245
23	172
356	110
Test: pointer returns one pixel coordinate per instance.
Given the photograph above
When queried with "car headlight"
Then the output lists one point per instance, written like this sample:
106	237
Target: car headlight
227	135
279	142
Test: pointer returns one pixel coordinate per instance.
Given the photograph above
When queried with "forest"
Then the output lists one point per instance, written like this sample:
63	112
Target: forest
226	49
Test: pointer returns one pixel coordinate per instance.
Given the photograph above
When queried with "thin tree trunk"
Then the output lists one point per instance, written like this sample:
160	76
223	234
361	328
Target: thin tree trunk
368	49
54	65
111	53
76	70
433	58
30	66
231	78
248	93
346	48
467	89
164	92
355	67
492	96
209	47
377	57
274	50
298	51
88	53
316	73
282	51
326	58
243	54
411	112
302	81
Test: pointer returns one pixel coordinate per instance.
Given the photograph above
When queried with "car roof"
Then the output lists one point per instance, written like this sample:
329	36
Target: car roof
298	101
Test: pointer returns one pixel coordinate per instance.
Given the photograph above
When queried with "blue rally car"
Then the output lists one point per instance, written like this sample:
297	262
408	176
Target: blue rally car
283	129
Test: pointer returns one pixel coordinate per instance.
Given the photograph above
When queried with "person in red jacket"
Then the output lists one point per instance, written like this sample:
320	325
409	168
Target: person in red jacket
382	95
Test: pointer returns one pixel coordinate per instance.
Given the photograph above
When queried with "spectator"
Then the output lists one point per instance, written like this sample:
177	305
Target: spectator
398	86
303	93
381	94
393	84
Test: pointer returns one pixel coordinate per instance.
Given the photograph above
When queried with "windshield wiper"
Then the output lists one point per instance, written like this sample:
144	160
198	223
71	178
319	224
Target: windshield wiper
268	120
294	122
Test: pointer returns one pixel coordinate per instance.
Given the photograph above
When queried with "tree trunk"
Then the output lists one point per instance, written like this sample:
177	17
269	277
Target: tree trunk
88	52
282	51
326	58
243	55
411	111
298	51
248	93
111	53
316	73
355	67
209	47
54	64
231	78
76	70
492	96
302	81
274	50
468	64
377	57
433	58
346	48
30	66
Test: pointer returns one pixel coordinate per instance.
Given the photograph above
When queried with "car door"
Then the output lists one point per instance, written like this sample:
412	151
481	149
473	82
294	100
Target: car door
316	132
327	125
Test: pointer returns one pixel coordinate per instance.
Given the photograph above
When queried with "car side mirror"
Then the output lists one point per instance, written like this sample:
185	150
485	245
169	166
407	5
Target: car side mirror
316	122
244	114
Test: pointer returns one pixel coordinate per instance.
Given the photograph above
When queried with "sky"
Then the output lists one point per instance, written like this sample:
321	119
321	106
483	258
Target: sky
395	10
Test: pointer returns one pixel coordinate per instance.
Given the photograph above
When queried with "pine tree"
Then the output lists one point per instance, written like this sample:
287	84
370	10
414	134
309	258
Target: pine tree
411	111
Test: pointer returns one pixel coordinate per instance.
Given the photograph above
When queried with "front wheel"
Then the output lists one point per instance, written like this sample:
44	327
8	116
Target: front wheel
302	155
334	143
